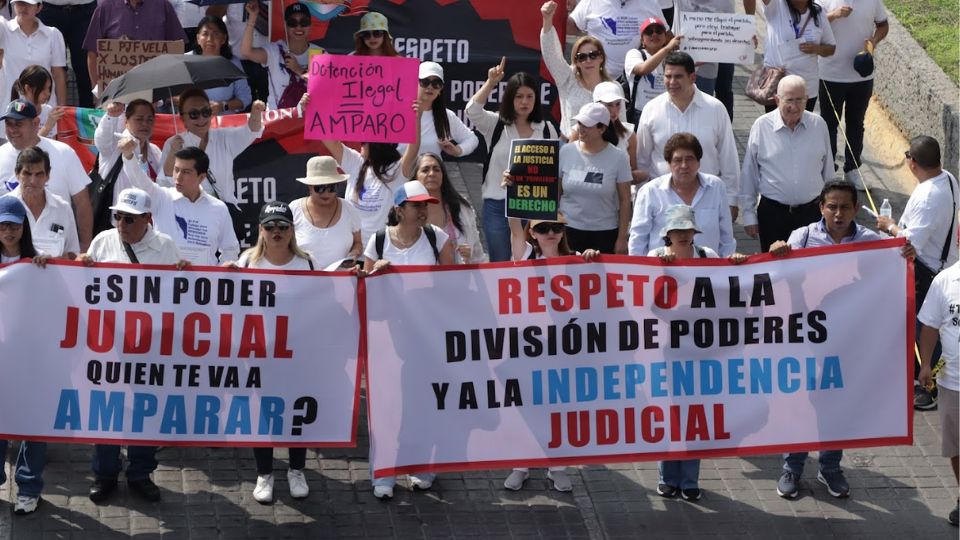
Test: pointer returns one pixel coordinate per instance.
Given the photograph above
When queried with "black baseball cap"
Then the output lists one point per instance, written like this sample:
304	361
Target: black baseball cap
20	109
276	211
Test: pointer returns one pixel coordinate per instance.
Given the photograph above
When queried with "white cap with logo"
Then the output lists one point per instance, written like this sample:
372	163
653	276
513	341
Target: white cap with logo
132	201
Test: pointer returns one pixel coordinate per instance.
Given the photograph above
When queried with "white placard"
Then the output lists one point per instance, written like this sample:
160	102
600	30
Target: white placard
718	37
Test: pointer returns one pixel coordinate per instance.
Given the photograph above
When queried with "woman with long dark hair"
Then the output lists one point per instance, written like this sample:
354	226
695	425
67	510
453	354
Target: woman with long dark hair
454	215
520	116
373	38
440	129
797	34
35	85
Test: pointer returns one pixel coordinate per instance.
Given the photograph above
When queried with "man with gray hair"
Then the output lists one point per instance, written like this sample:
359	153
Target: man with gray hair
786	163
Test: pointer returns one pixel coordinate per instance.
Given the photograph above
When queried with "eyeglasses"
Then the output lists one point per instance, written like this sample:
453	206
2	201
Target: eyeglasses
544	228
302	22
654	30
10	226
126	218
583	57
433	81
367	34
282	226
332	188
195	114
907	155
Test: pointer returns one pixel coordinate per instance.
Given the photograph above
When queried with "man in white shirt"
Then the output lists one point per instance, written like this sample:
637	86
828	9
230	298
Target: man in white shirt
198	222
684	108
846	77
132	241
68	179
52	226
929	222
616	23
786	163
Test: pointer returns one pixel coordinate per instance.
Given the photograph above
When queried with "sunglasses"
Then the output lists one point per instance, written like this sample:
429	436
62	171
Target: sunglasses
283	226
302	22
907	155
434	82
654	30
195	114
583	57
544	228
126	218
366	34
332	188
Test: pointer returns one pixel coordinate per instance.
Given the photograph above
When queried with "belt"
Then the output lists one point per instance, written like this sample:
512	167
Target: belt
815	203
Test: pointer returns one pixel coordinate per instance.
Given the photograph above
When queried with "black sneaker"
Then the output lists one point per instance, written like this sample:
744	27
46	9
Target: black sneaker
923	400
102	488
692	494
667	491
954	517
145	489
836	483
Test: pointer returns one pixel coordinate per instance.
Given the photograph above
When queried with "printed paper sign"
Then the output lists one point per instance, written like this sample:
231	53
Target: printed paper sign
362	99
122	354
118	56
562	362
535	193
718	37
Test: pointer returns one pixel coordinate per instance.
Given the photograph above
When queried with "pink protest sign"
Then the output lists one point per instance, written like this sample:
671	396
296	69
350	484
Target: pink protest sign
361	99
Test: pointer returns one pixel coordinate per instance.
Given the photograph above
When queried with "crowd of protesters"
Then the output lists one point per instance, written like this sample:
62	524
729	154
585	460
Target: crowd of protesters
648	165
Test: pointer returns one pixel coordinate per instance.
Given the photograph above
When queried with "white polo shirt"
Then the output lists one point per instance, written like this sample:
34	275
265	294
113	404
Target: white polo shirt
67	175
926	219
850	33
200	228
153	248
941	310
54	232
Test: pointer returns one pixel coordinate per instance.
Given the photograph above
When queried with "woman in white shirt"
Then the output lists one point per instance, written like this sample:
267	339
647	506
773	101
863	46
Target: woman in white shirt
440	129
276	249
797	33
520	117
135	120
222	144
453	215
327	227
621	134
575	81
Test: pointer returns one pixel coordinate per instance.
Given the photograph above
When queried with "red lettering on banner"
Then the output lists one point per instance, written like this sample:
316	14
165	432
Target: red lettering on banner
226	334
614	288
100	331
608	427
648	416
535	301
665	290
566	293
193	324
589	286
280	349
560	286
509	294
166	334
253	338
70	332
691	421
137	332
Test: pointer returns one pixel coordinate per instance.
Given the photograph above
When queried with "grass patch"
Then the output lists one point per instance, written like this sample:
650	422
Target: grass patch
935	24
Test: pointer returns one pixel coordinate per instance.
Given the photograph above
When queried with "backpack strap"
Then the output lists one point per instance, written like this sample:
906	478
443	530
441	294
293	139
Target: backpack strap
636	84
494	139
702	253
310	262
806	236
945	252
378	242
432	238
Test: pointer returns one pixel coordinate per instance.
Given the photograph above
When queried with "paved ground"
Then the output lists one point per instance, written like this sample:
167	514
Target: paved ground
897	492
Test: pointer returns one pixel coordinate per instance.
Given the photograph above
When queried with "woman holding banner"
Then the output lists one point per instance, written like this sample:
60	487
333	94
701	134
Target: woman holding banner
440	129
453	215
576	80
326	226
222	144
520	117
595	178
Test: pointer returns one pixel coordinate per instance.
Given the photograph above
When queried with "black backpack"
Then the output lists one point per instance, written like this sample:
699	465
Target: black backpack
101	194
428	231
495	138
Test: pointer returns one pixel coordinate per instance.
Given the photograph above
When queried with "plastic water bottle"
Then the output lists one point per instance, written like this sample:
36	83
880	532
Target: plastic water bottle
885	209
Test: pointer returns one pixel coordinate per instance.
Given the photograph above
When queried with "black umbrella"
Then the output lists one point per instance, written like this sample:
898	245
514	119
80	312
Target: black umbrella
169	74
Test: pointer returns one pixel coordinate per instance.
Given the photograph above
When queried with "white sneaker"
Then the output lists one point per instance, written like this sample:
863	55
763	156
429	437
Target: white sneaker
26	505
515	481
422	483
383	492
854	177
561	482
263	493
298	484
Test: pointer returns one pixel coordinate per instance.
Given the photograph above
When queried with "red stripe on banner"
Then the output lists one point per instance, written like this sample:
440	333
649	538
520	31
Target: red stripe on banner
649	456
911	342
361	356
181	443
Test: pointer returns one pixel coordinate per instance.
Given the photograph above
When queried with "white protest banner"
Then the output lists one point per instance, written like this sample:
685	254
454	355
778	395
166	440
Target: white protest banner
563	362
718	37
209	357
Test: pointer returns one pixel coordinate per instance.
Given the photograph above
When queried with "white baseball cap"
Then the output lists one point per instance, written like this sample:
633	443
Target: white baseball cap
132	201
592	114
608	92
430	69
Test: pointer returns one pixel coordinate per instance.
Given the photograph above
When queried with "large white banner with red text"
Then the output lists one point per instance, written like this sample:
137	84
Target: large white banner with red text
124	354
564	362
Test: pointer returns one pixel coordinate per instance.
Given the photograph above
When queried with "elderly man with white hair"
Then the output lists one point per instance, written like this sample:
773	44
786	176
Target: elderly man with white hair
787	162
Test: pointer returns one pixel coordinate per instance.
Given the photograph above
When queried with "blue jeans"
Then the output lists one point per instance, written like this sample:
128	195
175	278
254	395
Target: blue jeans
496	230
31	460
724	87
705	85
107	465
683	474
829	461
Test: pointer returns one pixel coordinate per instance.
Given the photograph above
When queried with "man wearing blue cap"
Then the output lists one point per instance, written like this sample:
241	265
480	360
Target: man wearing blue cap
846	77
68	179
